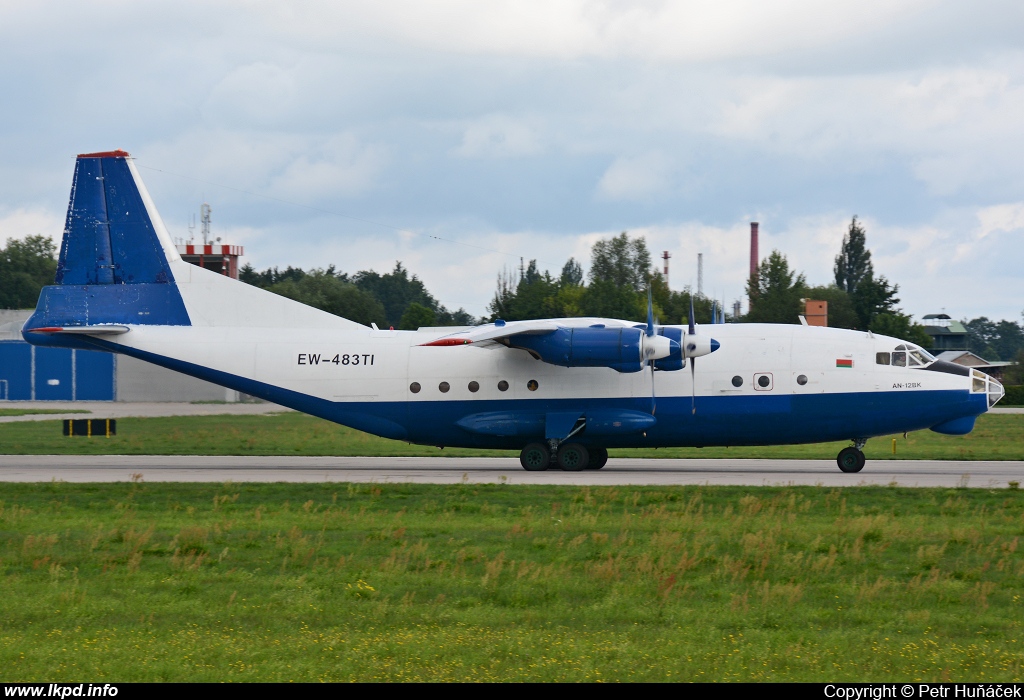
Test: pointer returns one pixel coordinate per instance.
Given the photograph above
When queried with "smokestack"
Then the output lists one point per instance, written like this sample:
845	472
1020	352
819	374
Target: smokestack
700	274
754	258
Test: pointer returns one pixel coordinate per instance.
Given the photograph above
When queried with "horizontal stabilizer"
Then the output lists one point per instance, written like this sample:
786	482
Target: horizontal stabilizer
82	330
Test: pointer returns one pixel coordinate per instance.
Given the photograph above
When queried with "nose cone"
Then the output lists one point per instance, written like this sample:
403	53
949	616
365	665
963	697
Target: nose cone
656	347
995	392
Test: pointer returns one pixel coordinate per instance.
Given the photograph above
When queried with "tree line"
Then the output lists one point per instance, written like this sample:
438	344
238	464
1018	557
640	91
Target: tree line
392	300
857	298
616	287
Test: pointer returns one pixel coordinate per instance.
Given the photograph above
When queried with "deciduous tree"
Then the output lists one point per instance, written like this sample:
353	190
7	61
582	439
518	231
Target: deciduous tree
26	266
775	292
622	261
853	263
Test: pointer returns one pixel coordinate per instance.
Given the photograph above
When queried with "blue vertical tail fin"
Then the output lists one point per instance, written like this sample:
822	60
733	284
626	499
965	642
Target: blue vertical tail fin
113	266
109	237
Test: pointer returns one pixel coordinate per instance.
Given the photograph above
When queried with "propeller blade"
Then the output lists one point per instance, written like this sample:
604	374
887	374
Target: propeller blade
654	397
650	313
693	364
693	386
650	358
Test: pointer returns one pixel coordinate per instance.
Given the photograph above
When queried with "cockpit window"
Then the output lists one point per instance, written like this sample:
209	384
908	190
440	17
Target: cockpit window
881	358
906	355
920	357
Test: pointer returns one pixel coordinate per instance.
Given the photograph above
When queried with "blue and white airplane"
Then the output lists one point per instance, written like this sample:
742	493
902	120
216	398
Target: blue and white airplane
562	391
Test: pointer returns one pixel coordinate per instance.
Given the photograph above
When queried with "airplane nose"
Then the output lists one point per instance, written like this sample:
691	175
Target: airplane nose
995	392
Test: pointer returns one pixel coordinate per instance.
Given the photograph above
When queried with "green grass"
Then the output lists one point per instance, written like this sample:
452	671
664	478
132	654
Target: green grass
35	411
280	582
996	436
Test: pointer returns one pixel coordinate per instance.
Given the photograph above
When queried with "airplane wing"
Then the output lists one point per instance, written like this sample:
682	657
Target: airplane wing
495	332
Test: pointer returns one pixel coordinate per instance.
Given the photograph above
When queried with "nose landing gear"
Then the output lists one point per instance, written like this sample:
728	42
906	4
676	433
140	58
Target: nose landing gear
851	460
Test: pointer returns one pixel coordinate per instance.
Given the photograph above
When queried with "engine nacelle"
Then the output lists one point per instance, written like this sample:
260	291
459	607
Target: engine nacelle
675	361
621	349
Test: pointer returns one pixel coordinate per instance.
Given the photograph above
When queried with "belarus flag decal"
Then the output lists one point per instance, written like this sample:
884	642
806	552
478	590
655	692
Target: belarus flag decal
844	363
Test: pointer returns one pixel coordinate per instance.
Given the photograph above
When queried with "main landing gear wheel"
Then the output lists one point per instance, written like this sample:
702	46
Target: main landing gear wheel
535	457
598	458
572	457
850	460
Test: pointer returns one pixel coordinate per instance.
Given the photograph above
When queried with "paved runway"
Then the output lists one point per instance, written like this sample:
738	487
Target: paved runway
448	470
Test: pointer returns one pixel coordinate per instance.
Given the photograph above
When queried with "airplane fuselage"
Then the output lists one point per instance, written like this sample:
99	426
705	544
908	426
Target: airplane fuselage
767	384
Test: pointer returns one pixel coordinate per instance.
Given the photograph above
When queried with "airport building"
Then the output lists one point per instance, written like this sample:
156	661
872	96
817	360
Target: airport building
946	333
30	373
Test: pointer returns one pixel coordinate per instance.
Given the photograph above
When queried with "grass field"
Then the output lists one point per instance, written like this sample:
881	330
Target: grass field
199	582
996	436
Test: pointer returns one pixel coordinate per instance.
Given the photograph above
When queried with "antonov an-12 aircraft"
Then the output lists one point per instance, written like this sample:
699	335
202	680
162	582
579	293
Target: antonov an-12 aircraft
562	391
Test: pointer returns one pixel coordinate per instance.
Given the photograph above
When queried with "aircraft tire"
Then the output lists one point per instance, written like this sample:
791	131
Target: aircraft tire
573	457
850	460
535	457
598	458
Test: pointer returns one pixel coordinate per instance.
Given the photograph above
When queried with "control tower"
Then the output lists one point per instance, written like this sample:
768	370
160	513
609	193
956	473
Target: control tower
211	254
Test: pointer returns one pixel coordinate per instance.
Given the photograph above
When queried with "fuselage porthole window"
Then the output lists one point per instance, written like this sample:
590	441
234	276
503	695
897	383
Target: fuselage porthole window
737	381
882	358
444	387
802	379
502	385
414	387
474	387
532	385
763	381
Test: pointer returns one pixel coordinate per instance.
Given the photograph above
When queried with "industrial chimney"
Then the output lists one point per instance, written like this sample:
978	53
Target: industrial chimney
754	259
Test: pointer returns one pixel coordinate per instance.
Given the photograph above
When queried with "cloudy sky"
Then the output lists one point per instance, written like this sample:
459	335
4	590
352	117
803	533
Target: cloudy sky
457	136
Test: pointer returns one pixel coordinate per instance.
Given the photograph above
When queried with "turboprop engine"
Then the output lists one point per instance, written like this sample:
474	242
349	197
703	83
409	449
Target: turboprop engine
690	345
621	349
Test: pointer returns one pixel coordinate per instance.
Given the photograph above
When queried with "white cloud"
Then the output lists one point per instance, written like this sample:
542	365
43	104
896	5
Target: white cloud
698	30
498	136
343	167
253	94
636	178
1001	217
18	224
